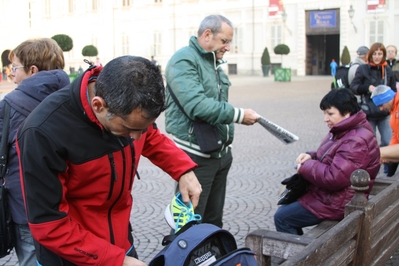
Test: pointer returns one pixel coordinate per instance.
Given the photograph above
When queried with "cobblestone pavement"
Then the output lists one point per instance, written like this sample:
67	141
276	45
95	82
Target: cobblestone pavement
260	161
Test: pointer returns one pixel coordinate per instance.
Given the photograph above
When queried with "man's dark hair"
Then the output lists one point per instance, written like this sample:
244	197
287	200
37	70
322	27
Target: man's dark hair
130	82
342	99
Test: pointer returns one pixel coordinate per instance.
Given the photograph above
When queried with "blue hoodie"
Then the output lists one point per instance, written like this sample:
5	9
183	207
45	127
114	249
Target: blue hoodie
29	94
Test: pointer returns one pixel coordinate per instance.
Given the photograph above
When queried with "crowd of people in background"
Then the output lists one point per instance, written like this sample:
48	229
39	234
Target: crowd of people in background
5	74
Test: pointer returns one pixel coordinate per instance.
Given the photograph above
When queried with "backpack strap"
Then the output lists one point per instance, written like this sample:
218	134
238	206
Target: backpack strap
169	238
4	140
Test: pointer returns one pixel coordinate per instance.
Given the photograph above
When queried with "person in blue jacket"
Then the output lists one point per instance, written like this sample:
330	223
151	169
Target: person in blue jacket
37	68
333	66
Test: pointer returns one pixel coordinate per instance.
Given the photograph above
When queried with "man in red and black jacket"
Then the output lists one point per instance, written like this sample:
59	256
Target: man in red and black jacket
79	151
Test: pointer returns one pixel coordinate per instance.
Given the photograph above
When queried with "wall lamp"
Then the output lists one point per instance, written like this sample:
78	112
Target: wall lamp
284	16
351	13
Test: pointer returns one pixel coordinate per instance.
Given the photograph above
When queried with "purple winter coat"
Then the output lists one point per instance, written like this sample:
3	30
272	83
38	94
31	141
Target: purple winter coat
350	145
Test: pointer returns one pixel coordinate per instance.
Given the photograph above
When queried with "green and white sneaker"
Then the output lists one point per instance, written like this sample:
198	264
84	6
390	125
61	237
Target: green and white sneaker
177	214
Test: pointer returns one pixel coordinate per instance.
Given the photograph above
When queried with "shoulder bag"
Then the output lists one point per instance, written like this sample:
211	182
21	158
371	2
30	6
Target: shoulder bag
6	241
207	135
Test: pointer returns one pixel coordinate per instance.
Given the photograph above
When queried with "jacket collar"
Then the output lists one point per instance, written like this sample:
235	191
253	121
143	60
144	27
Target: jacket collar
209	55
350	123
80	90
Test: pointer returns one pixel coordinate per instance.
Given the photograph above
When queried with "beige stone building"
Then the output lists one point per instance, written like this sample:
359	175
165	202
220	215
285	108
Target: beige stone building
315	30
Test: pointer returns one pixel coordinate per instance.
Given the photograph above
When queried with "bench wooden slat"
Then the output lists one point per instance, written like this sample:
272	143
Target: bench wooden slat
380	184
320	228
276	244
385	220
386	240
330	242
385	198
343	256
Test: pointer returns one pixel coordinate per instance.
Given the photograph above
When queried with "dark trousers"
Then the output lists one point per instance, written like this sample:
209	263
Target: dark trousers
291	218
392	169
212	175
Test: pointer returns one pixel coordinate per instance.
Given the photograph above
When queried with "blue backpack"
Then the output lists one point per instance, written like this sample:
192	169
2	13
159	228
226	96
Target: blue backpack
202	244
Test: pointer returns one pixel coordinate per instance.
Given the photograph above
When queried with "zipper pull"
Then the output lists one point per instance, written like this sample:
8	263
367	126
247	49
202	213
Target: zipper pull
113	171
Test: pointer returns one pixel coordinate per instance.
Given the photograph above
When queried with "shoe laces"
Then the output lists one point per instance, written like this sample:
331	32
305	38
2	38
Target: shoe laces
188	215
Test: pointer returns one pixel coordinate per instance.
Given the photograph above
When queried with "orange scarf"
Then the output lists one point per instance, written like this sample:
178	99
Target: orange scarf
383	65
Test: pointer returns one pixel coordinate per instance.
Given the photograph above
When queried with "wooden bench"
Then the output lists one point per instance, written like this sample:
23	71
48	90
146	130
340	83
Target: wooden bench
368	234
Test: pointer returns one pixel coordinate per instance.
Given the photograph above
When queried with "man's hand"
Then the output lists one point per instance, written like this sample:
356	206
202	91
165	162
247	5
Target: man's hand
250	117
389	153
130	261
190	188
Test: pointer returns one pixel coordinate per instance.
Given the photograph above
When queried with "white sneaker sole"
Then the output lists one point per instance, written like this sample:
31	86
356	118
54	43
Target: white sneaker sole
169	217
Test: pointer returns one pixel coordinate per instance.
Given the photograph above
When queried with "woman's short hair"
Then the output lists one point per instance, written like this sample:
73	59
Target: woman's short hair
44	53
342	99
374	48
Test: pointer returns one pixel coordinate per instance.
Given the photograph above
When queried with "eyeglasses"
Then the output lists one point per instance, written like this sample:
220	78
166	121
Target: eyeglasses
14	68
225	41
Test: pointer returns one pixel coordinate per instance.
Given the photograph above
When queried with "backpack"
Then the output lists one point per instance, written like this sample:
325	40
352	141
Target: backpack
341	80
197	244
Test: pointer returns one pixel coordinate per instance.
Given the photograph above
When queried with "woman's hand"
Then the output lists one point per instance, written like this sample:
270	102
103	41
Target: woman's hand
303	157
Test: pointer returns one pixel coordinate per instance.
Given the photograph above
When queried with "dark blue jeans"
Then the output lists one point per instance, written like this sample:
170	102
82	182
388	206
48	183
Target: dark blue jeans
291	218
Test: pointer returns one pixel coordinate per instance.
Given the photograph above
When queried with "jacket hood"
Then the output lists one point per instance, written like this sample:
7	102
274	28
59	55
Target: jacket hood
353	121
37	87
40	85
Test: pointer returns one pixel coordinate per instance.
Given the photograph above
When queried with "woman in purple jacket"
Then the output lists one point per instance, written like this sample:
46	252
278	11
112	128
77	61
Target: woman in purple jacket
349	145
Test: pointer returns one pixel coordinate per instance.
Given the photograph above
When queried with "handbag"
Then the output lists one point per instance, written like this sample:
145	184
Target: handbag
295	187
207	135
6	241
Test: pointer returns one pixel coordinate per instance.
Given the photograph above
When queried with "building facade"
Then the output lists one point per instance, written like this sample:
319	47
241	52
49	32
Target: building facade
316	31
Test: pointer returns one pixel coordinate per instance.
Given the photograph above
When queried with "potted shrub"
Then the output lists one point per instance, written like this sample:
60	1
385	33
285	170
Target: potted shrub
282	74
64	41
265	61
345	57
90	51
